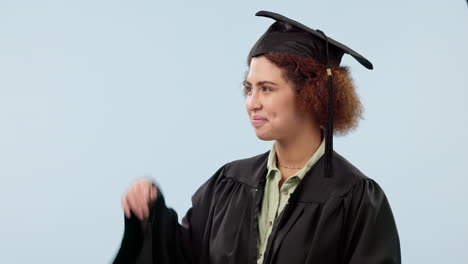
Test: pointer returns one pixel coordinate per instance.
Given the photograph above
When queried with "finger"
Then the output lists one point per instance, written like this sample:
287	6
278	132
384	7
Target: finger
148	201
144	201
125	207
145	212
139	193
148	193
145	193
154	193
133	204
142	212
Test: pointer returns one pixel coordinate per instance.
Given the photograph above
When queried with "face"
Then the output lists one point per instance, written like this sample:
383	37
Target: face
271	102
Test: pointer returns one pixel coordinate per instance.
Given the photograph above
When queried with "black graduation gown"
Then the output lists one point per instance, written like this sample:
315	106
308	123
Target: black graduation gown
342	219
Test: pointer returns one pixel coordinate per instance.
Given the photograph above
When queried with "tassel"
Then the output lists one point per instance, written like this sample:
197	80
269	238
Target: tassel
329	125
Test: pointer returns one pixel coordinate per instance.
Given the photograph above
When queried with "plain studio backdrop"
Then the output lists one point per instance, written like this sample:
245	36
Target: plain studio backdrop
97	94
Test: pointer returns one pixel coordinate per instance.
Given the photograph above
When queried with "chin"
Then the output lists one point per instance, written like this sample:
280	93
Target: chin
264	136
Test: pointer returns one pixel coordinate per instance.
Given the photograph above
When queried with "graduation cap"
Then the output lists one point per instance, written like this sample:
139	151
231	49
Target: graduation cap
289	36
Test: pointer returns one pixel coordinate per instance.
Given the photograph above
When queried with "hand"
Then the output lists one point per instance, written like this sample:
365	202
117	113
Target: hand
138	199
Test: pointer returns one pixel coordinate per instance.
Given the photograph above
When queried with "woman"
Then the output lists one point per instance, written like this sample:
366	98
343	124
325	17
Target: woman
301	202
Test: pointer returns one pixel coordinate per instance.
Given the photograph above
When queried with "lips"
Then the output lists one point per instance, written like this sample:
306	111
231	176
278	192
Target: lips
258	120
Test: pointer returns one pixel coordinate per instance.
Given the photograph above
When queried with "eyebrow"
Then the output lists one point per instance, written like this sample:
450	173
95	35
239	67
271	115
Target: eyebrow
247	83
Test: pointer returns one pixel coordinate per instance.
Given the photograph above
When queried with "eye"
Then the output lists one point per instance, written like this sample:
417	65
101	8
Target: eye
247	90
266	89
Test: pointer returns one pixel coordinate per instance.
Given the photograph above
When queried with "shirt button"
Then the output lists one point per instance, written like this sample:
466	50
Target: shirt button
259	255
285	192
270	223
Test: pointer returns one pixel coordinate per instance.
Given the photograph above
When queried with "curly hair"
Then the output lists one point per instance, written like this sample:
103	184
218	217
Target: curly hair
310	81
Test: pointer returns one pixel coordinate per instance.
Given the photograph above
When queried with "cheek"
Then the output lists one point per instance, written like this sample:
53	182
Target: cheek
287	113
285	108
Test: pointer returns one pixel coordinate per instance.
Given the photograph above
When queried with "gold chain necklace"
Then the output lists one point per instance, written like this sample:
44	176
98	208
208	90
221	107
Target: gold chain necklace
287	167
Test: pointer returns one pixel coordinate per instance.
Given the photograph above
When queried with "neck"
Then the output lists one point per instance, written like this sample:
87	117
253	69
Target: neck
296	151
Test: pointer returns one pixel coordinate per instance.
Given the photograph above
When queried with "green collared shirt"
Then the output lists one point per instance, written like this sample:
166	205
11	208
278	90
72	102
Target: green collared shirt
275	199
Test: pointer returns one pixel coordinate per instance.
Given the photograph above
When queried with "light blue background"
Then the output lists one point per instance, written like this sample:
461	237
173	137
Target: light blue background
96	94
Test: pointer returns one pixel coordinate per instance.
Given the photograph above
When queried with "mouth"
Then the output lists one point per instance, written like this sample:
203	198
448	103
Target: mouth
258	121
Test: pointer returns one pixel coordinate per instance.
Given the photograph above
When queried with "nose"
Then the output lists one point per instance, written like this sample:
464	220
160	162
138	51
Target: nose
253	102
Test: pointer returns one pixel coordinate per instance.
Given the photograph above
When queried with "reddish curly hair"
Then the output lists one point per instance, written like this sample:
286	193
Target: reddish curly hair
310	80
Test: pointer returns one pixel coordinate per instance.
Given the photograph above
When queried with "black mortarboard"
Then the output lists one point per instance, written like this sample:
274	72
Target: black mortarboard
289	36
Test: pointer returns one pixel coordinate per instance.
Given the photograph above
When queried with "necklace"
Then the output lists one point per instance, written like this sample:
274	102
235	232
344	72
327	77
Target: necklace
287	167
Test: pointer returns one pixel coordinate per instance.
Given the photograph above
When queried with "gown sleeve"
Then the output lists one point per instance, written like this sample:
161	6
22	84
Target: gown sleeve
162	239
371	233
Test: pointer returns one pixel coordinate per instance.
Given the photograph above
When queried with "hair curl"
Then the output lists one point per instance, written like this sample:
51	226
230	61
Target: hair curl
309	78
